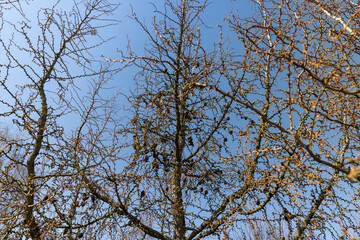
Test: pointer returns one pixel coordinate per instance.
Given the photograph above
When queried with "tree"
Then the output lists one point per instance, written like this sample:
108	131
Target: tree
254	137
188	171
38	90
301	57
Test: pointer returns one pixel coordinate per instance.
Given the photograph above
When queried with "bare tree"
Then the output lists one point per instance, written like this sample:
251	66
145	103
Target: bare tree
254	137
194	167
38	90
301	59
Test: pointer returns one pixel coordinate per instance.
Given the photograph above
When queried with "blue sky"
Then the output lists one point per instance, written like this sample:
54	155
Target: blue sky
123	31
127	29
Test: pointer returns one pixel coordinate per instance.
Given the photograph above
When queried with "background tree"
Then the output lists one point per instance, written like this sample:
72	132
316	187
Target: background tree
301	61
39	89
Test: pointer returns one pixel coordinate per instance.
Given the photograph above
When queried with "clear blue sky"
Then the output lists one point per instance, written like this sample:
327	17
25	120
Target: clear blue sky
215	14
126	29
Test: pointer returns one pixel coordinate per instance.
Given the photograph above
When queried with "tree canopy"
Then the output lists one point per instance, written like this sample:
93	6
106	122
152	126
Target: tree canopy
251	135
